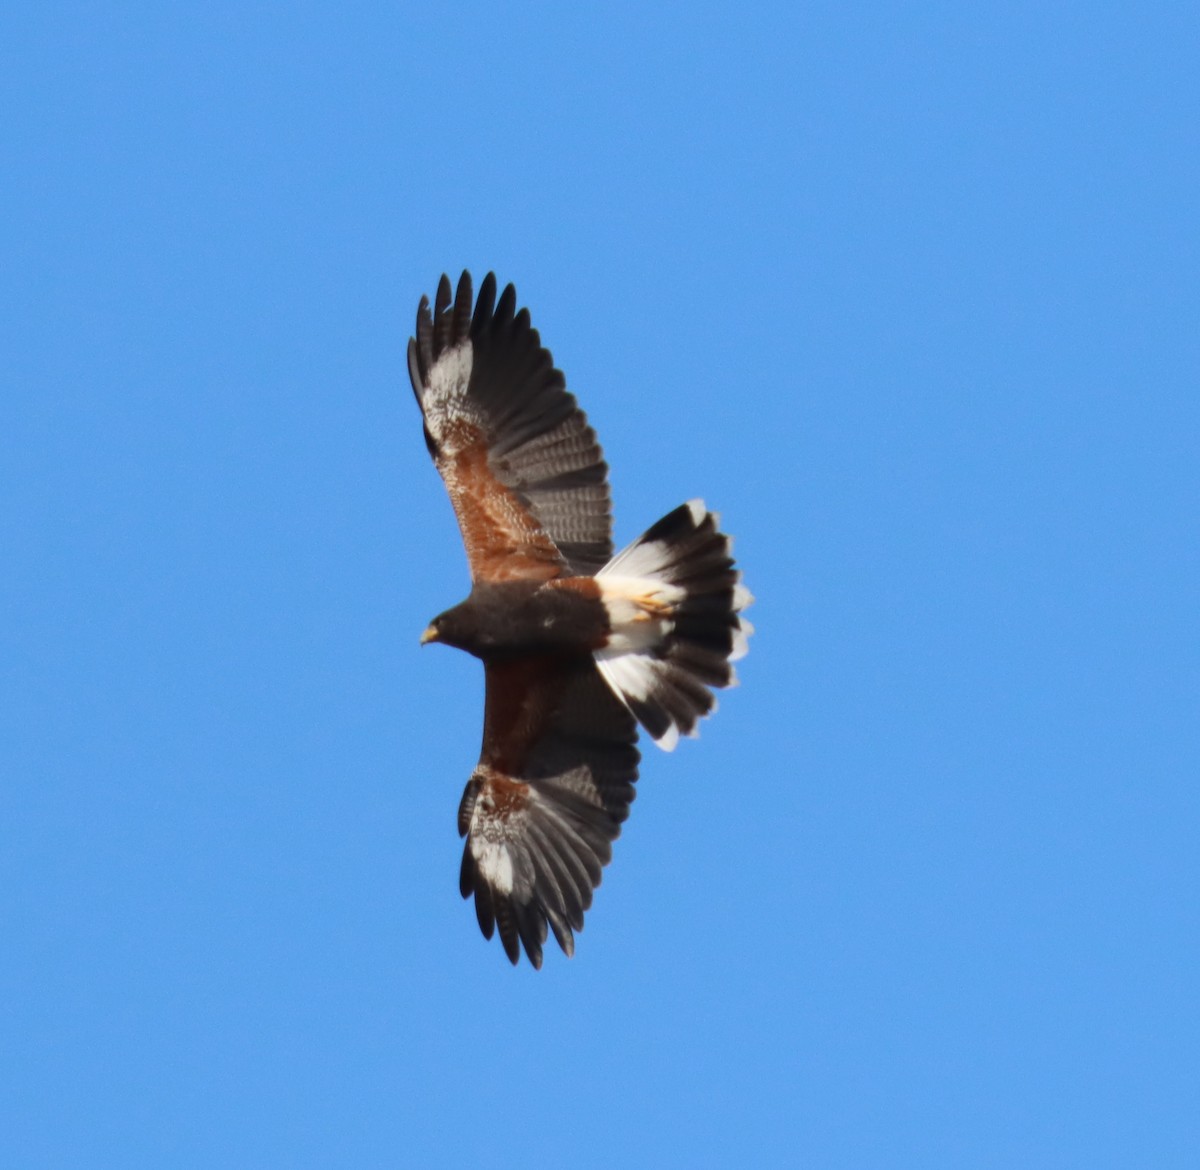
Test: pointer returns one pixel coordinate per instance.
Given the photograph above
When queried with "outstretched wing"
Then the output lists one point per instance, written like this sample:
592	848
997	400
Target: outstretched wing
524	470
554	783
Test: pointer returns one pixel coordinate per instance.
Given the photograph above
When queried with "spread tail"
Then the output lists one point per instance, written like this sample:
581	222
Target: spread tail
674	602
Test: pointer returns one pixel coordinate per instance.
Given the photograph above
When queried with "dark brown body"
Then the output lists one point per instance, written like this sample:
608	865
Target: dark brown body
561	617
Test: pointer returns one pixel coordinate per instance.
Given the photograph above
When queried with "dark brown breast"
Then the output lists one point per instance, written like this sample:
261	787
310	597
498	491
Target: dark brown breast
524	618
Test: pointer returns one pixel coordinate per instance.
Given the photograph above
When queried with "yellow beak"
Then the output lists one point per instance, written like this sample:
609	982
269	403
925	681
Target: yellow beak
430	635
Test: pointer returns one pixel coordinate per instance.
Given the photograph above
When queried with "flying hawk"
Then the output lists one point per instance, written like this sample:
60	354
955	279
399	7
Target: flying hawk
578	646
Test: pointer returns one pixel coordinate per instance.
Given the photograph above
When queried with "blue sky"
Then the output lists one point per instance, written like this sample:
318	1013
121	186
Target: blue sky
907	291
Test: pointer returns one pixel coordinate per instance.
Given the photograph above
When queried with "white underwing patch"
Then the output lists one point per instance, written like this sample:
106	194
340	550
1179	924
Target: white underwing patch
446	390
494	862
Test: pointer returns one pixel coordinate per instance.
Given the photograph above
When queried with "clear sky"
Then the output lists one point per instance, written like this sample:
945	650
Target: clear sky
907	291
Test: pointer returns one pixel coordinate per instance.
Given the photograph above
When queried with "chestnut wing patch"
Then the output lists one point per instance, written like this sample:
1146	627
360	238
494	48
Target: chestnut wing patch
523	469
553	785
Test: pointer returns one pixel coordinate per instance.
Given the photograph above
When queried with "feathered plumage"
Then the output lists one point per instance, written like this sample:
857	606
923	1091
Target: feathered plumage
578	646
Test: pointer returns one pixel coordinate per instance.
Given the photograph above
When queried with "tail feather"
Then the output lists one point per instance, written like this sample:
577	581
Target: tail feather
674	601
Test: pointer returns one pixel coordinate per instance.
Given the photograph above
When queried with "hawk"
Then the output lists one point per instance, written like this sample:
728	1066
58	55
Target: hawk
578	646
